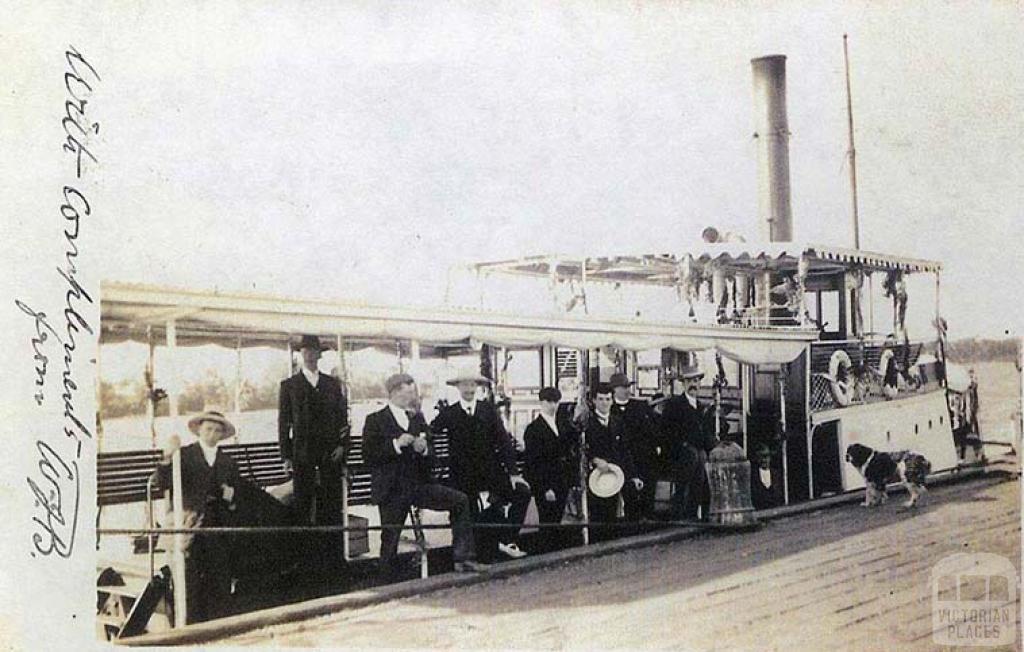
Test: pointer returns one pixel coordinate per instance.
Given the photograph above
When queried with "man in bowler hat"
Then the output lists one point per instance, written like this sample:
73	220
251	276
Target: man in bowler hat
313	432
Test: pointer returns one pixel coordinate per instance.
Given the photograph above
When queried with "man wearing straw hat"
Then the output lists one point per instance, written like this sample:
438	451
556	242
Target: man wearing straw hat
397	449
209	479
482	459
313	434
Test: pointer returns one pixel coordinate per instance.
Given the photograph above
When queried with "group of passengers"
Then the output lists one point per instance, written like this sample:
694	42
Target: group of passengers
618	445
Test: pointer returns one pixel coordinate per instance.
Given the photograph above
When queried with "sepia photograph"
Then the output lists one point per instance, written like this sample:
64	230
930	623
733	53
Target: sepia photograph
532	326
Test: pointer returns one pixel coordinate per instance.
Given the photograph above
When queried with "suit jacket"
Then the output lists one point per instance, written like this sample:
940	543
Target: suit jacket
642	435
394	475
609	443
200	483
762	496
482	455
308	435
547	463
682	424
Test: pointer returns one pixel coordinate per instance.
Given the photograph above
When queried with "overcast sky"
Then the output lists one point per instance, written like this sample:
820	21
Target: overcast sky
356	150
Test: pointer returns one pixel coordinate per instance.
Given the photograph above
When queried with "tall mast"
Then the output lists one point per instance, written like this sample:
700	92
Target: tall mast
853	150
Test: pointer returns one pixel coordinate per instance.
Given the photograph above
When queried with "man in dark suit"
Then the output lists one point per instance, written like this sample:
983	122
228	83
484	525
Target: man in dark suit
642	437
482	460
547	467
209	480
397	449
313	434
765	489
689	435
606	444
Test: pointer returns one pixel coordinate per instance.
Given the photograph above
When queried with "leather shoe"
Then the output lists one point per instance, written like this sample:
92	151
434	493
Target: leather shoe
470	567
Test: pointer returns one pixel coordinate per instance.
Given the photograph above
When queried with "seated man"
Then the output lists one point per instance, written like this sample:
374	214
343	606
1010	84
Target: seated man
397	450
765	490
482	459
209	479
606	444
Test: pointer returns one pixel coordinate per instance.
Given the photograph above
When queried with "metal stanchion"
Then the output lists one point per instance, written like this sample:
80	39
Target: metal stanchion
178	559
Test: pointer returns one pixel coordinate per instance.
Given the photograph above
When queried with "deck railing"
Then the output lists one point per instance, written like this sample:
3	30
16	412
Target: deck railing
865	377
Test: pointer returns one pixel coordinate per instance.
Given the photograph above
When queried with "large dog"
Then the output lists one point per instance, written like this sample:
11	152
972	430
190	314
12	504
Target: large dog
879	468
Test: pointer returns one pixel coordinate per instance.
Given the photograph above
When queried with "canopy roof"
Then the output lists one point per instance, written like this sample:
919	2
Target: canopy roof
142	313
662	269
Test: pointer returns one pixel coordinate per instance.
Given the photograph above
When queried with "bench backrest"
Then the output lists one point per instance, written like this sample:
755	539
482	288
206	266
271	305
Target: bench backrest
121	477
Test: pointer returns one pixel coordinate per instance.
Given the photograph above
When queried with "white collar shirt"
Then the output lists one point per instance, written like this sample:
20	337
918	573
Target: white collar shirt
468	407
209	452
312	376
401	416
551	423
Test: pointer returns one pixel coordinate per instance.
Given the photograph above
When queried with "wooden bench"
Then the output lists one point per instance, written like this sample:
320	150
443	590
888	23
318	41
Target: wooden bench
121	477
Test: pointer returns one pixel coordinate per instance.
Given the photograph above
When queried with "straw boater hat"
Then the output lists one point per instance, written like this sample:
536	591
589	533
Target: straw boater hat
605	484
619	380
312	342
471	375
211	415
690	372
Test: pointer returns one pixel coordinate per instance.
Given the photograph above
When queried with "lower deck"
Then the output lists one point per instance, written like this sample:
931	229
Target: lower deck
846	578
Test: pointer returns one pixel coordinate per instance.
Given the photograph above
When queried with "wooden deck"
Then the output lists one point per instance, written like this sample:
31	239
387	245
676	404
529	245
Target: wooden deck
845	578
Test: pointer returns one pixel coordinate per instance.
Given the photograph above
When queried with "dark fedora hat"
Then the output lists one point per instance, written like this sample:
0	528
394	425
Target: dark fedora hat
311	342
620	380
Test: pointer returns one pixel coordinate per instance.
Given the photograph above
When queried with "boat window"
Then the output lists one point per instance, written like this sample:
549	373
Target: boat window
524	370
827	311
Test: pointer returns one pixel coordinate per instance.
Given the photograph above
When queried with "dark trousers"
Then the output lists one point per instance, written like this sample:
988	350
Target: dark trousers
691	484
645	498
427	496
604	510
318	493
551	511
487	540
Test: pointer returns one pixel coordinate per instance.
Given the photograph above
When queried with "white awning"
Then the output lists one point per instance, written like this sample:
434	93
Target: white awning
131	312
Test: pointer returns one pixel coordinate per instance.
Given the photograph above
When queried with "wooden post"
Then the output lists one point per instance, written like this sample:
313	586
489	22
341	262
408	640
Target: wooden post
785	447
151	375
810	461
178	559
744	400
583	369
238	376
807	418
342	372
172	387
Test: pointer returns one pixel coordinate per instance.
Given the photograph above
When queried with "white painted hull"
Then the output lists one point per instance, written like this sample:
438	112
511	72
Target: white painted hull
919	423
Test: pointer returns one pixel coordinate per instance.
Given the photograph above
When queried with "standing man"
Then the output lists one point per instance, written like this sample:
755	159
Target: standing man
689	435
397	450
606	444
482	460
313	433
642	439
547	467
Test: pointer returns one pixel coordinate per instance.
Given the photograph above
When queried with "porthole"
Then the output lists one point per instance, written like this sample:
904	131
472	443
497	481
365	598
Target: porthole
917	429
940	421
929	424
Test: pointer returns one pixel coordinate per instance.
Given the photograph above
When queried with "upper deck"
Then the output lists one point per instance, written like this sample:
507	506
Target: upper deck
778	286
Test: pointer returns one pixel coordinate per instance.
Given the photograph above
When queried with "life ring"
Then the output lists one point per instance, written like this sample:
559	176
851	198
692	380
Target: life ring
840	367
